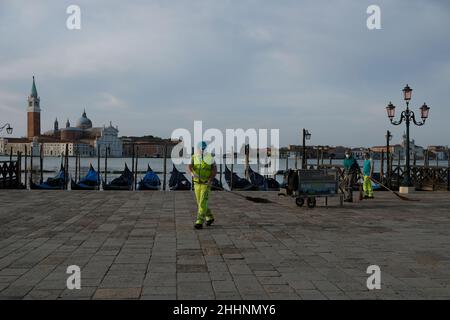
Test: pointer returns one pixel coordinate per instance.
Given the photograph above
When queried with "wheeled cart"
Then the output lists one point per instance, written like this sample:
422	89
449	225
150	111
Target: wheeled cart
313	184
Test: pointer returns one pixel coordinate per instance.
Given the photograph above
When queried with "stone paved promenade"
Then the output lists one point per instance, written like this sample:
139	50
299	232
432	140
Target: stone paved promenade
143	246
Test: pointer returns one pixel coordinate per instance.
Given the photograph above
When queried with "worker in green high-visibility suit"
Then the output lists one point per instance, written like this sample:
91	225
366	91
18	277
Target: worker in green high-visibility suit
203	170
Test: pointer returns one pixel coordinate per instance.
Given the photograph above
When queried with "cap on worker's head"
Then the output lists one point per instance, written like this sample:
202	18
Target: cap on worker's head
348	151
202	145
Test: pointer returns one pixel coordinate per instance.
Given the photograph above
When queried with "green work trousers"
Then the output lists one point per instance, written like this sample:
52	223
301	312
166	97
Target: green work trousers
202	195
367	187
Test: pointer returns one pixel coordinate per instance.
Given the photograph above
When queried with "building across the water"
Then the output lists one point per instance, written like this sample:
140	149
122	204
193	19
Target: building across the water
82	139
147	146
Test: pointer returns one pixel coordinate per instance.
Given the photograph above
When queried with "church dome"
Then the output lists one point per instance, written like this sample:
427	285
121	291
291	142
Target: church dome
84	122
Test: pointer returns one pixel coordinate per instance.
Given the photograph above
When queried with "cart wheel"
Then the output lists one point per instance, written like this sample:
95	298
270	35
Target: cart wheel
311	202
299	201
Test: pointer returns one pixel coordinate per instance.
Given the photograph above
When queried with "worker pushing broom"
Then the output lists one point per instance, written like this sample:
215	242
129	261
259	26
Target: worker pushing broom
203	170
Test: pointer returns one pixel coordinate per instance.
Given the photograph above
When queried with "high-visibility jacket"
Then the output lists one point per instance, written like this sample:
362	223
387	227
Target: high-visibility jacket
202	165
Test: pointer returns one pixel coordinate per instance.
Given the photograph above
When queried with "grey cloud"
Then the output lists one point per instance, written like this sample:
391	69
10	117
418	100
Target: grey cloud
281	64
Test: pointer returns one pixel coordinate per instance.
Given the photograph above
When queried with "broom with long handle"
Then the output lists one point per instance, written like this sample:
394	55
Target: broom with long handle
253	199
397	194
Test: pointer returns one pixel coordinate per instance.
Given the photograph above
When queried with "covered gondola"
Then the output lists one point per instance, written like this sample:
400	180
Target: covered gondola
89	182
377	177
150	181
55	183
238	182
263	184
216	185
124	182
178	181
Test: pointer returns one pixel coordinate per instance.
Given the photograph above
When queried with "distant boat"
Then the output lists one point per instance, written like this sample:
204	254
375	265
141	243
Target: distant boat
124	182
263	184
55	183
238	182
178	181
89	182
150	181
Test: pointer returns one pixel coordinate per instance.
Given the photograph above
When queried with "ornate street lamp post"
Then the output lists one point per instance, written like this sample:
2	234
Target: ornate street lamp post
306	136
407	116
388	155
8	127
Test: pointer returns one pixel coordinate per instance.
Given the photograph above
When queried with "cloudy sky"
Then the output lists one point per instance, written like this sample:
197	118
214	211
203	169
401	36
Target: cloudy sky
157	65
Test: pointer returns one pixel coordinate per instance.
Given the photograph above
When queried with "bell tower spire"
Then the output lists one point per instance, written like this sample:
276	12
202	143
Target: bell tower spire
34	113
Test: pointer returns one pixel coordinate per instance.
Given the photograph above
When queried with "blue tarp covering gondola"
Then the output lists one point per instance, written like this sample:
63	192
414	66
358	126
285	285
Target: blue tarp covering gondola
376	176
55	183
263	184
216	185
124	182
150	181
89	182
178	181
238	182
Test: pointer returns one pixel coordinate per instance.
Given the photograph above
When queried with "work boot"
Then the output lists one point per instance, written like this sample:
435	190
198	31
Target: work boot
209	222
198	224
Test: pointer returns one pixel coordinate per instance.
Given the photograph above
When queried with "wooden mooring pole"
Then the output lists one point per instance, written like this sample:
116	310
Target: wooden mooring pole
98	167
41	163
398	169
66	167
136	168
79	166
76	166
106	165
31	164
165	167
26	163
19	169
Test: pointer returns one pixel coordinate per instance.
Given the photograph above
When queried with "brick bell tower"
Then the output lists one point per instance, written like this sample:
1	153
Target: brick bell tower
34	113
